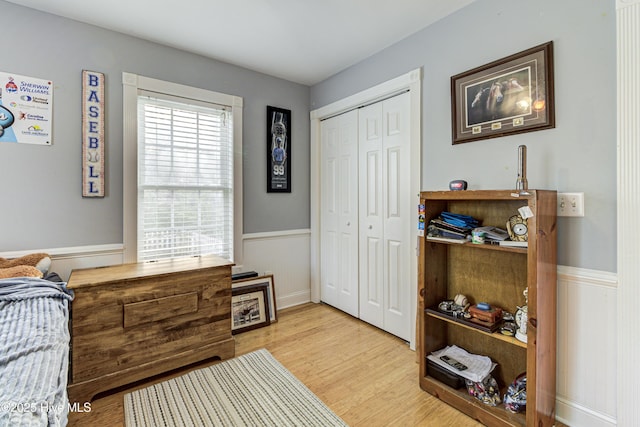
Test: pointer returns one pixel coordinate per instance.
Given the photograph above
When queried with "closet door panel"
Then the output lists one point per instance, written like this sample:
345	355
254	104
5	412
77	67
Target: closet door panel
371	215
329	213
339	213
348	223
397	215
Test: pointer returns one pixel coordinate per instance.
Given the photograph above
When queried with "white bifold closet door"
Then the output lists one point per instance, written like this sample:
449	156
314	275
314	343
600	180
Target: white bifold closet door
339	212
385	216
365	219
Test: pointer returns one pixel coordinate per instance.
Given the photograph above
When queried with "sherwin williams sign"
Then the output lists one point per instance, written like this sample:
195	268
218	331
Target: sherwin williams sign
26	106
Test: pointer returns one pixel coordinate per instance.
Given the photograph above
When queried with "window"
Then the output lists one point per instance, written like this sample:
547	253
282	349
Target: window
186	185
185	180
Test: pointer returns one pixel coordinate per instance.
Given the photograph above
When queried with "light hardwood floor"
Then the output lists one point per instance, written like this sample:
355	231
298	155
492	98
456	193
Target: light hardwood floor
366	376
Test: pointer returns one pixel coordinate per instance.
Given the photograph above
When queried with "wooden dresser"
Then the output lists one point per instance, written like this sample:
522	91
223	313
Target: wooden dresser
134	321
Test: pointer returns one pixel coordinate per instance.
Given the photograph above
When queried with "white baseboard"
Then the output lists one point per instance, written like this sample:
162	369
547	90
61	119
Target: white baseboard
581	416
294	299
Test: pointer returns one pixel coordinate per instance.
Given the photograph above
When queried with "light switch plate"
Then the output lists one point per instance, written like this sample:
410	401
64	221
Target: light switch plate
570	204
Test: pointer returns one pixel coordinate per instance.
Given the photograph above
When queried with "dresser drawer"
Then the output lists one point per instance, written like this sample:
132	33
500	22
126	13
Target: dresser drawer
154	310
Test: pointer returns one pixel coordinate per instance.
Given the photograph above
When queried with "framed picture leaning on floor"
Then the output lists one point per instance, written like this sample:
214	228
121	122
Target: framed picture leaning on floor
249	308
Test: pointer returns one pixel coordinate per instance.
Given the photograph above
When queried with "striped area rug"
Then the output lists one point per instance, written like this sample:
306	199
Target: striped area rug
250	390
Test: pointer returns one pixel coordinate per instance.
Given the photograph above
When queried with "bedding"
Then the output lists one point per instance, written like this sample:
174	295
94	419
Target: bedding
34	352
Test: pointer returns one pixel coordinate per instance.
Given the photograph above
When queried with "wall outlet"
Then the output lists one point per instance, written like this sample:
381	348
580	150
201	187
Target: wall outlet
570	204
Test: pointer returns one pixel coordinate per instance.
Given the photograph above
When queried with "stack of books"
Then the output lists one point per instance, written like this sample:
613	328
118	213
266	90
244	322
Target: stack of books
450	227
494	234
499	236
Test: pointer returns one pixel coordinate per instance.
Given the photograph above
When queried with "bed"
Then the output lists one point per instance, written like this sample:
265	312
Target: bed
34	355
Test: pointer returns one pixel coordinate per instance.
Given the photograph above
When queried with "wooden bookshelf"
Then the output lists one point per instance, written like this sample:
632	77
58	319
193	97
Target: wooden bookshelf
497	275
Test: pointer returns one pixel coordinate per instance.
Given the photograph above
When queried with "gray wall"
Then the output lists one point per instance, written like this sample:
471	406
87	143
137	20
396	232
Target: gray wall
40	192
41	198
578	155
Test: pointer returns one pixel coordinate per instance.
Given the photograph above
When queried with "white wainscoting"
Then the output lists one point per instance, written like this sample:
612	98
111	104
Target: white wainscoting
586	347
587	305
63	260
286	255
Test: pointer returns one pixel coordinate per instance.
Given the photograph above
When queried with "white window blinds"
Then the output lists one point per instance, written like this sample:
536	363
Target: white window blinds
185	178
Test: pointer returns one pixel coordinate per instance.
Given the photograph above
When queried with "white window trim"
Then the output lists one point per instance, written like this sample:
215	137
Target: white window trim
131	83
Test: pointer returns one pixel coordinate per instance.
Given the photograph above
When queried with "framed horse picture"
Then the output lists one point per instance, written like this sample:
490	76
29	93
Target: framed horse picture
508	96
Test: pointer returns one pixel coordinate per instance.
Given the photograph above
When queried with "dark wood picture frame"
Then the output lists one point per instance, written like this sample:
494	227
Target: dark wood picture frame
512	95
278	150
271	292
249	308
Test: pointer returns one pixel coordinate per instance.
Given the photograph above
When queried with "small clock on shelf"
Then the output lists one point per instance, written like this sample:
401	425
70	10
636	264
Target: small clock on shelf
517	228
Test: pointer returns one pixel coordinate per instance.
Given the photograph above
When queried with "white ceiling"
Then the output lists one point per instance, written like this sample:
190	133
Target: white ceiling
304	41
